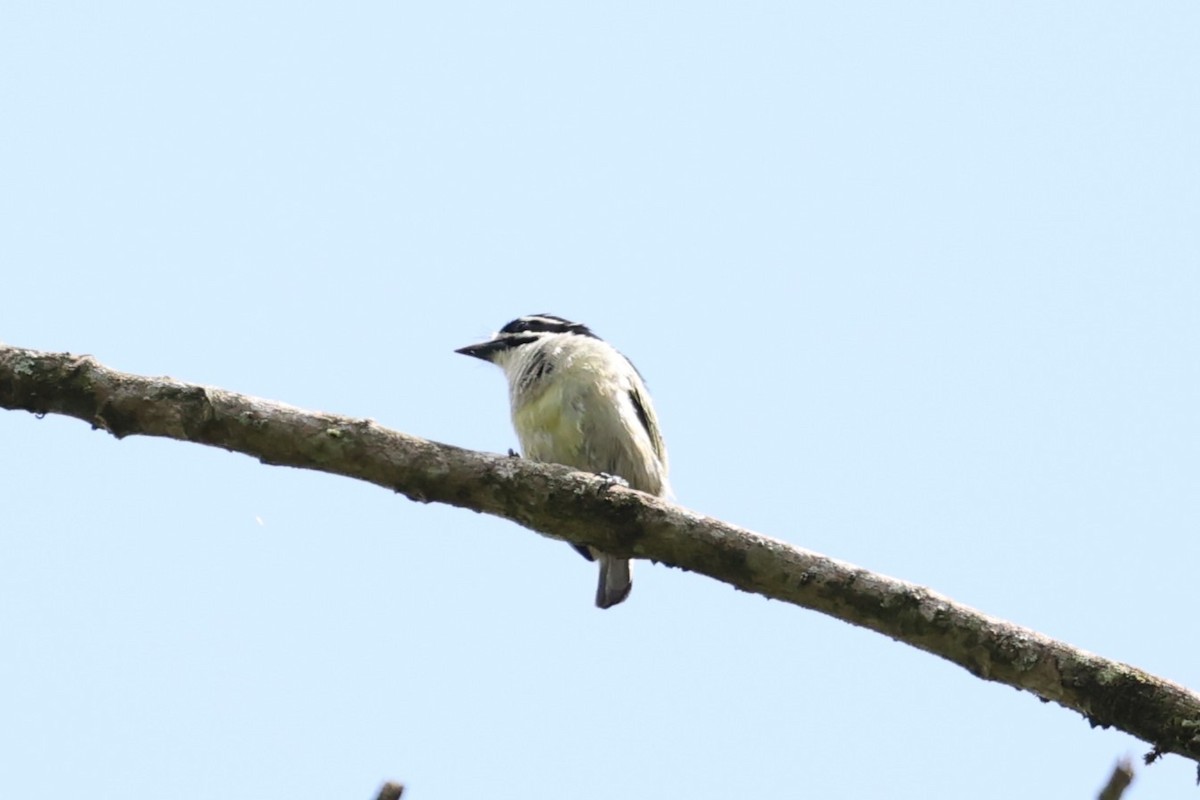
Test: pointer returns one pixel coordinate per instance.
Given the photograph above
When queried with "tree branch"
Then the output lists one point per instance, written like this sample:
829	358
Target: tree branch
585	509
1118	782
392	791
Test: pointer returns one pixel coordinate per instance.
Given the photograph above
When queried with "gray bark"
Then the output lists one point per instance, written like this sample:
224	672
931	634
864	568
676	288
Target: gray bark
587	510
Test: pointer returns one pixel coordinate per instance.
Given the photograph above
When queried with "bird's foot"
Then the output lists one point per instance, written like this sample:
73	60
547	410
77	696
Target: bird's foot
612	480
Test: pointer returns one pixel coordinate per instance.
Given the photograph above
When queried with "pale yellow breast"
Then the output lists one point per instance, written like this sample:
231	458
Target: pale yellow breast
548	427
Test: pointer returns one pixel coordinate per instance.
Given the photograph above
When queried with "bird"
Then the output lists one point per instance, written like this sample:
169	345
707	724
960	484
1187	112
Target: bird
578	402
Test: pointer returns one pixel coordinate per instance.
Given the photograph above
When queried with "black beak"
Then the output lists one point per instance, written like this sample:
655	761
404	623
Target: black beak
483	350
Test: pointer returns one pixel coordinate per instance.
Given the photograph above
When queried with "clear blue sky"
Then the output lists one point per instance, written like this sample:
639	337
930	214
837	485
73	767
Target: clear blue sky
914	285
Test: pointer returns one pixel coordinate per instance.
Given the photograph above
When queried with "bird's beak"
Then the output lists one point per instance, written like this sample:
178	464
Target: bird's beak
483	350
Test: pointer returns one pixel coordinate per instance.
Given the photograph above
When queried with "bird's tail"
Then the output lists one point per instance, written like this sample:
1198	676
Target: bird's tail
615	580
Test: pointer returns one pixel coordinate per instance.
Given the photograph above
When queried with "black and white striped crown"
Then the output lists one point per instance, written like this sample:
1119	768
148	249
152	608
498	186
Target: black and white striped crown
546	323
522	331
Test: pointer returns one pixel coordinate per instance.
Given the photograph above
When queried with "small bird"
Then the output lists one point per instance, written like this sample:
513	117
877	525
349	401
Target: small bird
576	401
